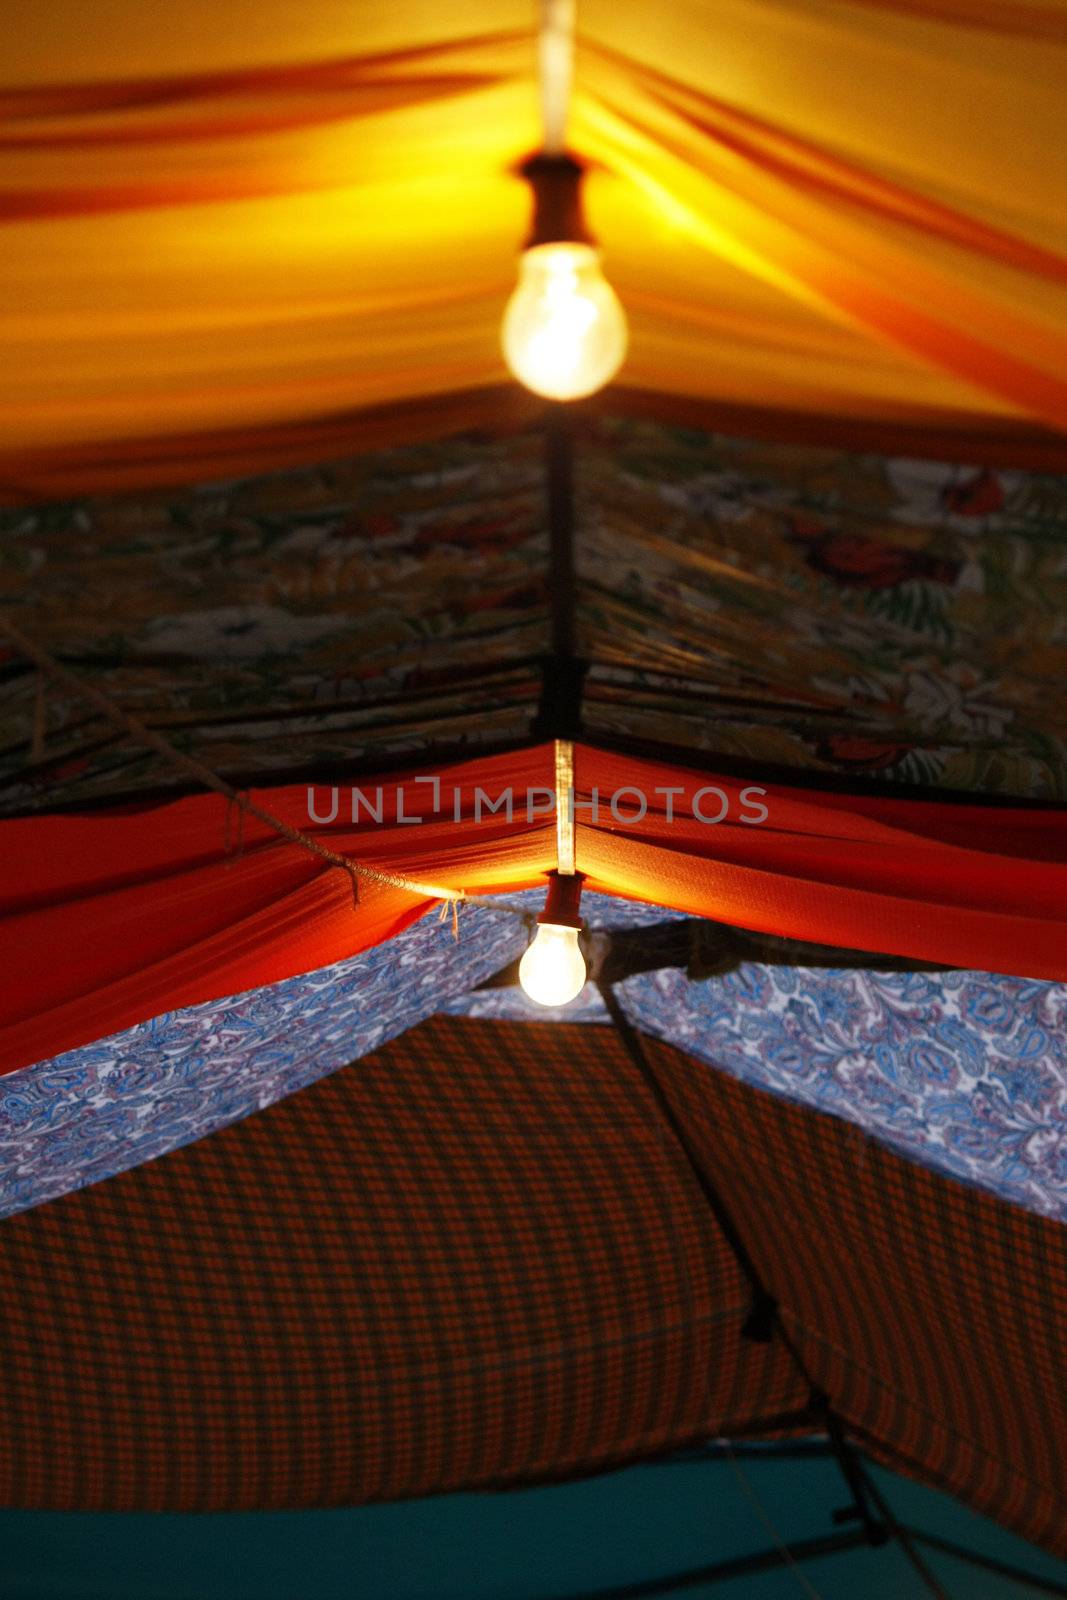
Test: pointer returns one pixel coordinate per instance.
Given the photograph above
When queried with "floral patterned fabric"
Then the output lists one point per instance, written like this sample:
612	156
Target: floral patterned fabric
806	608
300	622
782	606
961	1070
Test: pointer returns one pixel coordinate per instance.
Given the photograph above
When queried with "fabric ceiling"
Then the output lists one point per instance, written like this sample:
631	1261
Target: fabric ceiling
482	1257
276	216
960	1071
179	914
794	608
265	233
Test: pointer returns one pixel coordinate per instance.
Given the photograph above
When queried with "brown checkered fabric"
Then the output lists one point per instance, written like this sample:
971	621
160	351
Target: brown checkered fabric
933	1314
477	1257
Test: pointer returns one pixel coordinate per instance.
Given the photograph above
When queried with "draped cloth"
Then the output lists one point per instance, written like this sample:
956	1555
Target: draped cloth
117	916
480	1257
245	237
962	1072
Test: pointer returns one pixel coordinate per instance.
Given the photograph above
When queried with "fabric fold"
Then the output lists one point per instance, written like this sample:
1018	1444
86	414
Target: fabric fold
115	917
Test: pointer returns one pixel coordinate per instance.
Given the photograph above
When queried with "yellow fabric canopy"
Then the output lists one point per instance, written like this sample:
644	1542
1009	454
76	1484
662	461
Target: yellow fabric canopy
235	218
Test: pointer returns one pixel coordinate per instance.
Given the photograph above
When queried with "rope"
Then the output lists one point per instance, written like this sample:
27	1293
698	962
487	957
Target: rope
195	769
749	1491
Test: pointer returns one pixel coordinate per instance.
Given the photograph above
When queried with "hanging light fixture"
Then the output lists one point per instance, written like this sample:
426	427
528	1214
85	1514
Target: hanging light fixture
564	331
552	971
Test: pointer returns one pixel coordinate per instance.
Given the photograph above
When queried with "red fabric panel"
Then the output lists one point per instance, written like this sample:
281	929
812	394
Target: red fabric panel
970	885
114	917
117	916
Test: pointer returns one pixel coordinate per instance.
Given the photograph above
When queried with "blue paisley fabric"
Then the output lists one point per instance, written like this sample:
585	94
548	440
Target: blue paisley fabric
965	1072
93	1112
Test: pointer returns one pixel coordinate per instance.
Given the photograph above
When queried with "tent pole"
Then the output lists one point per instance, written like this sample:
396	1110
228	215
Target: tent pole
759	1325
559	488
877	1532
741	1566
896	1528
563	672
764	1321
1003	1569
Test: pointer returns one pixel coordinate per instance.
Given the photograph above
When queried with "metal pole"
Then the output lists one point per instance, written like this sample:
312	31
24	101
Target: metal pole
739	1567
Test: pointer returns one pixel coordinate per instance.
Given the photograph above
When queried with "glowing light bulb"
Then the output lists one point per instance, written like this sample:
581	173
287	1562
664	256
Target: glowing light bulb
564	331
552	971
